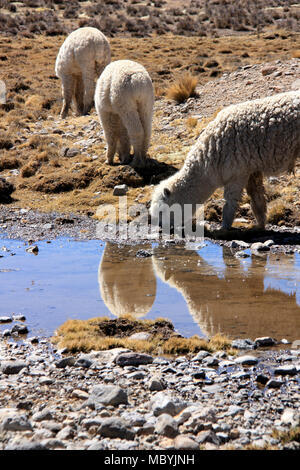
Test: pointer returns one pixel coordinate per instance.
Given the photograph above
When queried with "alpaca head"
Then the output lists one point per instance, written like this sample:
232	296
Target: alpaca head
166	207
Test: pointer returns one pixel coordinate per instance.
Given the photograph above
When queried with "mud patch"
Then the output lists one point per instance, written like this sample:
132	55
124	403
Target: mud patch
124	327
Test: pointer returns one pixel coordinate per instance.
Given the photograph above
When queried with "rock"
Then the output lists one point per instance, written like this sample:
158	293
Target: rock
33	249
81	394
19	317
6	188
262	379
166	426
273	383
6	333
65	361
19	329
120	190
133	359
141	335
12	367
162	403
200	356
291	417
208	436
156	384
296	344
83	362
239	244
143	254
267	70
107	395
258	246
286	370
44	415
25	444
246	360
115	428
264	341
16	423
183	442
5	319
243	344
66	433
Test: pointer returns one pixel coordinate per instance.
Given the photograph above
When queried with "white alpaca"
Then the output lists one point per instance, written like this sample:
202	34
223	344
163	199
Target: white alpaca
124	100
245	142
80	60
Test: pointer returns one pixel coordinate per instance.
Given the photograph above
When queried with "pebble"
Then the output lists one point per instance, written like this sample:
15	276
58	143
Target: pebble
64	402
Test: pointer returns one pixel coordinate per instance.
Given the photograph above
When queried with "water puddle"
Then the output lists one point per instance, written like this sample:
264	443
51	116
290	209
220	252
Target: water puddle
202	290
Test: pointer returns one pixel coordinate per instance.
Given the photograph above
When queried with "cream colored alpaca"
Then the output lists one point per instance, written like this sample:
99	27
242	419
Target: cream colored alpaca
124	100
245	142
80	61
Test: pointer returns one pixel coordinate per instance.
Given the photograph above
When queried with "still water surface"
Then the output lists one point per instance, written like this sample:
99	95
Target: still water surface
202	290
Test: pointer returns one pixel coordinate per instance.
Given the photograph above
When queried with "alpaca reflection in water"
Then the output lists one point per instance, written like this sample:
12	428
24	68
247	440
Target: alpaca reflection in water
127	283
244	298
237	300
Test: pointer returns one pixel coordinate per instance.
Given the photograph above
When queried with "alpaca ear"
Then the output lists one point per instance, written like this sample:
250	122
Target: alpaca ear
167	192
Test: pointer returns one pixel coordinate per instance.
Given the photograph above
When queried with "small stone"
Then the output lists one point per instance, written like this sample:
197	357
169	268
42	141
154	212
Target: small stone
264	341
81	394
66	433
12	367
166	426
286	370
19	317
107	395
115	428
268	70
262	379
208	436
65	361
44	415
33	249
246	360
239	244
20	329
16	423
291	417
133	359
243	344
273	383
183	442
163	403
5	319
156	384
258	246
120	190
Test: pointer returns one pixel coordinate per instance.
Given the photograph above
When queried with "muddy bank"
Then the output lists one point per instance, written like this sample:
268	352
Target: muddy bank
26	224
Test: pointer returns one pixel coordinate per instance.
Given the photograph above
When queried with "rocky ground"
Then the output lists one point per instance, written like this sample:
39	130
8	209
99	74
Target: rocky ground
120	400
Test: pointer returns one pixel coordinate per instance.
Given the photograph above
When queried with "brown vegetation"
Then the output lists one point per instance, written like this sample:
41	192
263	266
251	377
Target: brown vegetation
104	333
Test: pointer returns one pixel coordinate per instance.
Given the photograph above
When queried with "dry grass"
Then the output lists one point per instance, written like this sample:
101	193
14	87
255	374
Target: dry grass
183	88
88	335
50	181
291	435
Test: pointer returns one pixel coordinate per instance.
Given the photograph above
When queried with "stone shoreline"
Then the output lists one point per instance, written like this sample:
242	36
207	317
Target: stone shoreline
121	400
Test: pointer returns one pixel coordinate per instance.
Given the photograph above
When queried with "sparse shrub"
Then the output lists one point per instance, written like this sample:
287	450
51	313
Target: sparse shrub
183	88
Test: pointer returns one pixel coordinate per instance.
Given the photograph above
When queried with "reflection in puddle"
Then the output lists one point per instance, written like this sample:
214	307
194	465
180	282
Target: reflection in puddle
202	291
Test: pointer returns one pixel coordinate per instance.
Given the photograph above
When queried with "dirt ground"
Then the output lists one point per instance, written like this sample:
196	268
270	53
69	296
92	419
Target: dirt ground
59	165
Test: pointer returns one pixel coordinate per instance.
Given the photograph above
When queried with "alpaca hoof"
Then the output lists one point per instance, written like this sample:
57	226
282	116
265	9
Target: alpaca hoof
109	162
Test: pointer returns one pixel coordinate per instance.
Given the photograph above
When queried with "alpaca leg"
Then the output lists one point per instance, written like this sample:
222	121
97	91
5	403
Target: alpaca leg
67	94
146	120
78	95
89	90
123	147
110	125
132	122
256	191
232	195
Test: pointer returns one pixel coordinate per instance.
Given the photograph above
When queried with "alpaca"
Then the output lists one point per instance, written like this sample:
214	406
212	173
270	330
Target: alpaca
80	60
124	100
244	143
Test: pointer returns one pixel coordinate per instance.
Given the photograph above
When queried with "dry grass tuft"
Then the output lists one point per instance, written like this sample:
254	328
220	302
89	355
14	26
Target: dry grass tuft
183	88
105	333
